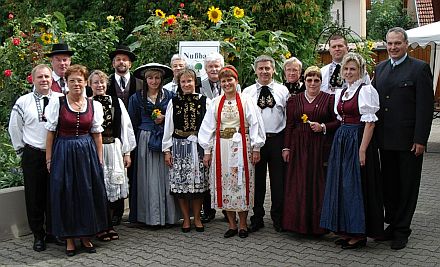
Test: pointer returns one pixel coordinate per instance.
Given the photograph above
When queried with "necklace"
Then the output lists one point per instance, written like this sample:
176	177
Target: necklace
309	98
79	104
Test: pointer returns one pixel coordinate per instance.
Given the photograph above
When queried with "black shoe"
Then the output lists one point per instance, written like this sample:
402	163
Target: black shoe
91	249
341	241
243	233
399	243
277	228
71	253
39	244
255	226
116	220
230	233
206	217
186	229
200	229
55	240
357	244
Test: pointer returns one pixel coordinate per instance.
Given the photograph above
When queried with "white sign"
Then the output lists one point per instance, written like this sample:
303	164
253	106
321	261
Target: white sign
195	53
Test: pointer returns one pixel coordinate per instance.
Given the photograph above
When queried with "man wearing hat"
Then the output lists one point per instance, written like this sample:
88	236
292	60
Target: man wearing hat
123	84
60	61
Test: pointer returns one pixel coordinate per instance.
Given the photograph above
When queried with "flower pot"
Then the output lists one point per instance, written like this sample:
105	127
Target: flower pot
13	219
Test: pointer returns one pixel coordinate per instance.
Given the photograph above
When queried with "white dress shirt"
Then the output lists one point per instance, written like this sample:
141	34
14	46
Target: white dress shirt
274	118
171	86
118	80
26	125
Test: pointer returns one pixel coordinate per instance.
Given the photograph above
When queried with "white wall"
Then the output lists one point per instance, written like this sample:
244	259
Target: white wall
351	14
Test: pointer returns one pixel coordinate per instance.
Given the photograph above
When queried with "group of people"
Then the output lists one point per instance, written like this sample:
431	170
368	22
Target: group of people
186	149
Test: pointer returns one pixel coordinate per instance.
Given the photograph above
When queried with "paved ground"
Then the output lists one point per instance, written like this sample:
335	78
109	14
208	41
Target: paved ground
170	247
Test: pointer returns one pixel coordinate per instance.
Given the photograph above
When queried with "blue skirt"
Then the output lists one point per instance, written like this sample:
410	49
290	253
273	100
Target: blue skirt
77	190
343	206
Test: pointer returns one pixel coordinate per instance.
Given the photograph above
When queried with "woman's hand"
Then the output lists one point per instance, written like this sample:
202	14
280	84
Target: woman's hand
362	157
286	155
207	160
316	127
127	161
48	165
255	157
168	159
159	119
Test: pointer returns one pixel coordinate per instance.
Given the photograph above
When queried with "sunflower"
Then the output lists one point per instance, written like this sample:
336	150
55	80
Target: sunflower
288	55
214	14
238	12
160	13
46	38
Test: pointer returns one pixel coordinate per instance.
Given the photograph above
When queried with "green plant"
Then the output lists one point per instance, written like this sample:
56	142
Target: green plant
10	172
385	15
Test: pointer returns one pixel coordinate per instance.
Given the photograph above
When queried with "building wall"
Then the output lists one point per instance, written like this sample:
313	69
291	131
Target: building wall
350	14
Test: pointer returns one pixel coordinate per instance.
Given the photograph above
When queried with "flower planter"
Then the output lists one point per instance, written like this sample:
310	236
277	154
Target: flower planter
13	219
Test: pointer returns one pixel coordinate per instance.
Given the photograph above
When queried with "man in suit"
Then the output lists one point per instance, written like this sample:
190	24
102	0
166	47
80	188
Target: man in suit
28	136
211	85
60	59
271	97
406	98
123	84
210	88
177	63
331	73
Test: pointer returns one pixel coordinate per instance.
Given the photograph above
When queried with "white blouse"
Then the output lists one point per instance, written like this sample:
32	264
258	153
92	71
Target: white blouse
53	109
128	138
167	141
253	119
368	100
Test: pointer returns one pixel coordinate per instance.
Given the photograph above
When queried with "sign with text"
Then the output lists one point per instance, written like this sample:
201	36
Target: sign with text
195	52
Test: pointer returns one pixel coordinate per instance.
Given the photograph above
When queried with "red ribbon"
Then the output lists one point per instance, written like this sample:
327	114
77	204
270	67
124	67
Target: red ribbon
218	164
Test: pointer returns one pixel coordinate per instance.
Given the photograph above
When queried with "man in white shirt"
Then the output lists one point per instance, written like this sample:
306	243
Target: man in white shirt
177	63
211	85
28	136
271	97
123	84
332	73
60	59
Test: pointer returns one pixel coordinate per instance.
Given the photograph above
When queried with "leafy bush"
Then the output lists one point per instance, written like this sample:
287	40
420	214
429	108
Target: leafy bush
157	40
10	171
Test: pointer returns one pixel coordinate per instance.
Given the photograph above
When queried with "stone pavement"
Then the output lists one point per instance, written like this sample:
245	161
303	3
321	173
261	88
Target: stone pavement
170	247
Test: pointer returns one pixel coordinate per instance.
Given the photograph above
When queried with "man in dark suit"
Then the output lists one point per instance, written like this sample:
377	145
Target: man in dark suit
406	97
60	60
123	84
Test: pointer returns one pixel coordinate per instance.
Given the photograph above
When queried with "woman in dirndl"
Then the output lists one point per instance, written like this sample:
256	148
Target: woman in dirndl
118	140
353	202
155	205
188	177
74	156
231	135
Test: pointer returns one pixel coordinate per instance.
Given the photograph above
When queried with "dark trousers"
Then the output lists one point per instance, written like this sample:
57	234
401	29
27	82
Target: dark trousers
36	188
270	155
117	207
401	171
207	209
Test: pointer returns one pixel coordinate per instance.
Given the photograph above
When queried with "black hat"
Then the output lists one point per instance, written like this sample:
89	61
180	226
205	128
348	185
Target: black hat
60	49
140	71
122	49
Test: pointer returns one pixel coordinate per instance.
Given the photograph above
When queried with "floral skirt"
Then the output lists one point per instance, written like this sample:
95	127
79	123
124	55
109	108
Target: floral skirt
233	180
188	177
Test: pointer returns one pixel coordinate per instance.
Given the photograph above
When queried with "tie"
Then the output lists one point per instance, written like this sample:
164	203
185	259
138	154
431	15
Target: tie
45	103
123	83
266	99
393	66
215	90
335	79
62	83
